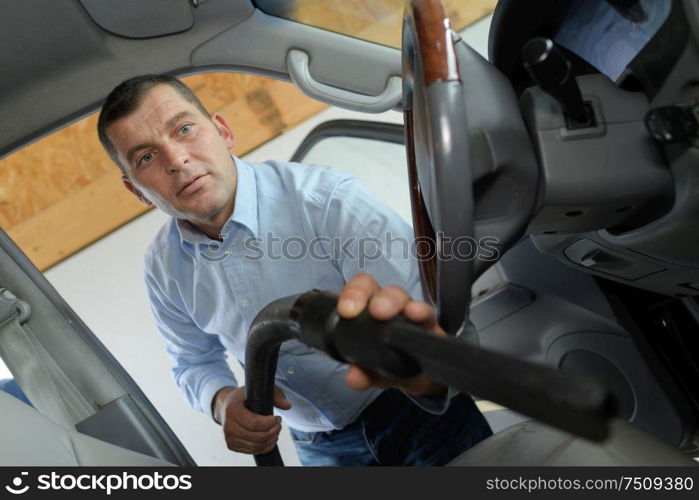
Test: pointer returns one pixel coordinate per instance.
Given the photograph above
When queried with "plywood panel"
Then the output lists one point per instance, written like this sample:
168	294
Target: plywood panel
257	109
76	221
379	21
48	171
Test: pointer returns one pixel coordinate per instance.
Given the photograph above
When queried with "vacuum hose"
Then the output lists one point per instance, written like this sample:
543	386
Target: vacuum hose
398	348
271	327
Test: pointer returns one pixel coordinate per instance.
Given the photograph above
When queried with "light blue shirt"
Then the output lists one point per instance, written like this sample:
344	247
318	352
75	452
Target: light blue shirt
294	228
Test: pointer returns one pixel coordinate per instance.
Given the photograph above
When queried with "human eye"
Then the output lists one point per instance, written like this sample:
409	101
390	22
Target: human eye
146	158
186	128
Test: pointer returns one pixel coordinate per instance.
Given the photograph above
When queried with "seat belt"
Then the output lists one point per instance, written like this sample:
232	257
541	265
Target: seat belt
45	384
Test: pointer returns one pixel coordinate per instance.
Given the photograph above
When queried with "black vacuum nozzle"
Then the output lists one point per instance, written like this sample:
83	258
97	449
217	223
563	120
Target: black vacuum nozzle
399	348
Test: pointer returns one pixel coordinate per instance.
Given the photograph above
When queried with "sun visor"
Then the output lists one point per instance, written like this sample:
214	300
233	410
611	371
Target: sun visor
141	18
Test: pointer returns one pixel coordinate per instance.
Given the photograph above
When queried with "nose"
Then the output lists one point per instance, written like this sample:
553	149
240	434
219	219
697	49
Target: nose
176	157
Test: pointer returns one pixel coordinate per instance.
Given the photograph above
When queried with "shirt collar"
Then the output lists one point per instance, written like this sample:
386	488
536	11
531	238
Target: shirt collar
244	210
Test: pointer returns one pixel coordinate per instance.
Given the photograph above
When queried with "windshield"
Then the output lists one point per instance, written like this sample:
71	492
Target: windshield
378	21
608	36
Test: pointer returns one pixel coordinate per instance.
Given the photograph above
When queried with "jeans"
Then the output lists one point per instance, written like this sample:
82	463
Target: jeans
393	430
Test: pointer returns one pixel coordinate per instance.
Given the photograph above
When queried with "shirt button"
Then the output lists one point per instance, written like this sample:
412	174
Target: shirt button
245	302
290	370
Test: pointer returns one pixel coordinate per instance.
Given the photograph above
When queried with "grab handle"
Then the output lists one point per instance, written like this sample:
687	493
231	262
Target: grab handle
297	63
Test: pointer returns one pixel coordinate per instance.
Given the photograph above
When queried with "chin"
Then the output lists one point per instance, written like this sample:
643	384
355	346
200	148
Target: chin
203	213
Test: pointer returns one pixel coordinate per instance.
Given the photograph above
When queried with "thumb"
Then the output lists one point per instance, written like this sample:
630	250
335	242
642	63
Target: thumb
280	400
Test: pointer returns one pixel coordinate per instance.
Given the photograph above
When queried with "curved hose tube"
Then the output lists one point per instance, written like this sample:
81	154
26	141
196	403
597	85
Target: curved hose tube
399	348
271	327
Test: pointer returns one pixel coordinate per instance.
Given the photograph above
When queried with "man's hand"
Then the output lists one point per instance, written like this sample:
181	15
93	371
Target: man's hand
245	430
384	304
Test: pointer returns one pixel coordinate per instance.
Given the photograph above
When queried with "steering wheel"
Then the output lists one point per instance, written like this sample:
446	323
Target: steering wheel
437	148
462	126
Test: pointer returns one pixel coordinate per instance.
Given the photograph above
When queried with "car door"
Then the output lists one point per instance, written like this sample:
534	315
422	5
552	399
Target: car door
65	372
64	59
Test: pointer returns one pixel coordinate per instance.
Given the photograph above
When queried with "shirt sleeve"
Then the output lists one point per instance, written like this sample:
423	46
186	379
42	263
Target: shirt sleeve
369	237
199	359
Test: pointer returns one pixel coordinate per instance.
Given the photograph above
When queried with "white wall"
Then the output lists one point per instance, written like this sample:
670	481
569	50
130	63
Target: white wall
103	283
476	35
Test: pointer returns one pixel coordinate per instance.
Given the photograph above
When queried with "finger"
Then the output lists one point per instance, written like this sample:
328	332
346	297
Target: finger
388	302
265	447
355	296
420	312
280	400
234	443
267	450
359	379
243	441
235	431
423	313
254	422
241	445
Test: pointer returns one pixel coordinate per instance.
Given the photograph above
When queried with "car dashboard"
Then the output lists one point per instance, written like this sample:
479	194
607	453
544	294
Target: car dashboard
614	200
608	35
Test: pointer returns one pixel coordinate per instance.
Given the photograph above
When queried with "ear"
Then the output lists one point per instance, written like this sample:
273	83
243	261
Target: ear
223	129
129	185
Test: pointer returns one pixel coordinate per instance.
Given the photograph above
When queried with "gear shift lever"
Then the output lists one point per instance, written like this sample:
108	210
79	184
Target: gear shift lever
552	71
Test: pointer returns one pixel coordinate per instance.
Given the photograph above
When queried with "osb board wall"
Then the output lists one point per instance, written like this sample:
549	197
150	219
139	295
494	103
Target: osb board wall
379	21
62	193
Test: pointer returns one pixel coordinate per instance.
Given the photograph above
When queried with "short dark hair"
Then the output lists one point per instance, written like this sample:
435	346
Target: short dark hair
125	99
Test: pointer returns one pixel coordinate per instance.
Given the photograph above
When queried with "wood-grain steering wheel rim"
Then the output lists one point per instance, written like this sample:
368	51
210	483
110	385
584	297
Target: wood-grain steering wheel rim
428	49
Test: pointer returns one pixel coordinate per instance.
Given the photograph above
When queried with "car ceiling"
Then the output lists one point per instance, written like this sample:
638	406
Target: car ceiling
59	64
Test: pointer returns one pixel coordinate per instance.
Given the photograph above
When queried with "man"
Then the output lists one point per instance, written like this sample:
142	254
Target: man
226	253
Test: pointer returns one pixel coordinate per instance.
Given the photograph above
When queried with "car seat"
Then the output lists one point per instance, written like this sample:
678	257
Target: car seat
532	443
28	438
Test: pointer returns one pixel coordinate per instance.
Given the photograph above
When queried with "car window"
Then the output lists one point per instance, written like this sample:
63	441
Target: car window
61	196
378	21
4	371
9	385
380	165
63	193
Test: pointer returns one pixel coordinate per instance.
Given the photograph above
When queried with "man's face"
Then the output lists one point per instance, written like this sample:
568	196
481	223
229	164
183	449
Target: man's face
177	158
